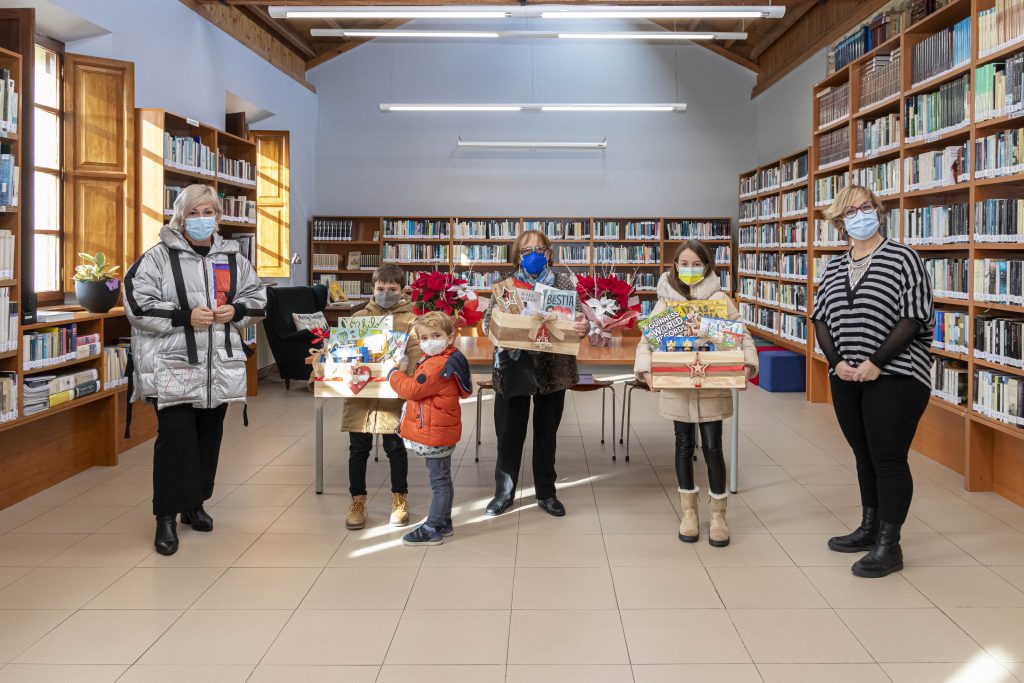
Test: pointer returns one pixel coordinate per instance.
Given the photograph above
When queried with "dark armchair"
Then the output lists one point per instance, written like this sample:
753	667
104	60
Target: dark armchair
290	346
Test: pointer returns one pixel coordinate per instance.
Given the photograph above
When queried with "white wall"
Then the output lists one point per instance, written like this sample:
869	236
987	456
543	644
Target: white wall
185	64
782	113
374	163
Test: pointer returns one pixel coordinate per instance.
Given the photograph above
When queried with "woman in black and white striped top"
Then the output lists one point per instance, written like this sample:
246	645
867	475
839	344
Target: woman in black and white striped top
873	320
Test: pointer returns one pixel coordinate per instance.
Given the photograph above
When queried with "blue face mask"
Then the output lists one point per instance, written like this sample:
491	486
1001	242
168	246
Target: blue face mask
534	262
201	227
862	226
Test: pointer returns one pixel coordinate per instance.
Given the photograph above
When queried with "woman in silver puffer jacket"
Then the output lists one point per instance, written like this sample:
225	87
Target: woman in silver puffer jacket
187	299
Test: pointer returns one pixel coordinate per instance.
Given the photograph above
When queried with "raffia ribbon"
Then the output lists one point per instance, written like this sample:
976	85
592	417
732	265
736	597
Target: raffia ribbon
539	320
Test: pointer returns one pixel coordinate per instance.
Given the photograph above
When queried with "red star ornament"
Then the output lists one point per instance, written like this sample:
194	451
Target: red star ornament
698	371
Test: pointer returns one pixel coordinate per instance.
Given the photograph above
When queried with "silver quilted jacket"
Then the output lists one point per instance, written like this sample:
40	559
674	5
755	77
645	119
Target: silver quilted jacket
175	363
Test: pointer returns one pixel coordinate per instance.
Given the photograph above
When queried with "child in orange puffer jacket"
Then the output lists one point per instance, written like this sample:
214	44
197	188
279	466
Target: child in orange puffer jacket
431	423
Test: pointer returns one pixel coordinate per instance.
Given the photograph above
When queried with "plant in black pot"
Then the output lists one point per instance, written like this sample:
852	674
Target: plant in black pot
96	283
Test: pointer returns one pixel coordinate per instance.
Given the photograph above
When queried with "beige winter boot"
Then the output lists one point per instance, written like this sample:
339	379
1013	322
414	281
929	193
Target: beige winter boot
399	509
356	518
719	536
689	525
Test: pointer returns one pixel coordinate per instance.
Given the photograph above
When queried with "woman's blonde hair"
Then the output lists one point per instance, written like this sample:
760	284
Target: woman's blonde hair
518	244
845	197
191	197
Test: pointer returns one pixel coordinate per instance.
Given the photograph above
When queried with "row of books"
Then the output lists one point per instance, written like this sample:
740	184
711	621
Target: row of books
697	230
643	282
793	234
493	229
828	235
941	52
768	207
115	365
999	280
934	113
10	177
42	392
834	147
819	265
239	208
878	135
793	296
881	28
833	104
722	254
999	396
748	312
8	321
794	203
767	319
416	253
236	169
949	277
768	292
826	188
331	230
939	168
999	154
9	98
793	266
481	280
6	255
8	396
575	254
762	235
880	79
326	262
767	263
793	327
999	220
748	186
999	340
465	254
769	179
919	9
363	261
171	193
420	229
999	88
561	229
189	154
55	345
348	288
999	25
748	287
646	308
794	171
635	230
746	263
949	380
637	253
883	179
748	212
951	331
936	225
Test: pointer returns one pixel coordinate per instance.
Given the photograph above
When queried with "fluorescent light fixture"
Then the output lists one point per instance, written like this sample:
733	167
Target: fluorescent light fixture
474	144
615	35
536	107
530	11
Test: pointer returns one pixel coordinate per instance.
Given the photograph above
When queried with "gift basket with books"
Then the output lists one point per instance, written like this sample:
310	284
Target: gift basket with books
538	319
349	364
695	346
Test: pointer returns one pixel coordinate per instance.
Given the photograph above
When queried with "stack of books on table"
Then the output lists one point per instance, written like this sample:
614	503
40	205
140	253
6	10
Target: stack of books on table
43	392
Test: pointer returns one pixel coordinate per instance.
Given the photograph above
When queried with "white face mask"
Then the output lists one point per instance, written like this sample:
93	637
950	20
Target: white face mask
432	347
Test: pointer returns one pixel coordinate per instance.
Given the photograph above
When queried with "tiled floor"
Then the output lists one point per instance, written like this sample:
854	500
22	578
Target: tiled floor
282	592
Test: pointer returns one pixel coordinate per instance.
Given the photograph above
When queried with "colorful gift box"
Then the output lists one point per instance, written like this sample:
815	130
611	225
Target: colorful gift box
698	370
351	380
537	332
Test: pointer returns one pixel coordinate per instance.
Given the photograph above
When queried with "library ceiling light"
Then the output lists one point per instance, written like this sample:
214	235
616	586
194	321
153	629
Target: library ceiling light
617	35
532	11
637	107
475	144
385	33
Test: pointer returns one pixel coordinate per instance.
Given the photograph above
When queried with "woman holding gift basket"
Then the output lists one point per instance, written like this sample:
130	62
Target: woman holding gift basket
693	278
521	375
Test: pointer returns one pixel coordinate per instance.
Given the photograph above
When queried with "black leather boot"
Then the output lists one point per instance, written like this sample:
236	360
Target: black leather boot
166	542
199	519
885	558
863	537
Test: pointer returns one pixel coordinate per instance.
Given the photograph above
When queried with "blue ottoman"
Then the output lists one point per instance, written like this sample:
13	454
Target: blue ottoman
782	371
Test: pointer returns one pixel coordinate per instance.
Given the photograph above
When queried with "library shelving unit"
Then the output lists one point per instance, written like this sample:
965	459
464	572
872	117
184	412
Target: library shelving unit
479	248
771	267
951	196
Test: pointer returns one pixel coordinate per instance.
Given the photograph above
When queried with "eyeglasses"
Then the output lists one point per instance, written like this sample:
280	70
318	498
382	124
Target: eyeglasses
851	211
526	251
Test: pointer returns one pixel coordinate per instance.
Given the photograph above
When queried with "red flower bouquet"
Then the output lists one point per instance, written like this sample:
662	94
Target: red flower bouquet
446	293
609	303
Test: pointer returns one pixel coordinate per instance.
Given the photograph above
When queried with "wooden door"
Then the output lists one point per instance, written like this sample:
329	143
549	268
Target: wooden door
272	203
99	139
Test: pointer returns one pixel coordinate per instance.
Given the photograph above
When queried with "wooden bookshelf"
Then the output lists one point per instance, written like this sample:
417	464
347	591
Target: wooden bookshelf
988	452
485	236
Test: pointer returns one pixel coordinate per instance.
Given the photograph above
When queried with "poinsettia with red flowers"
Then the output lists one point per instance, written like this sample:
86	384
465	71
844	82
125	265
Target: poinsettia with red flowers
444	292
609	303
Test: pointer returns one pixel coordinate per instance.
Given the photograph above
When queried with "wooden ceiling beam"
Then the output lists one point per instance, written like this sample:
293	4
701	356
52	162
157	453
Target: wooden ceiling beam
347	45
281	29
356	3
778	28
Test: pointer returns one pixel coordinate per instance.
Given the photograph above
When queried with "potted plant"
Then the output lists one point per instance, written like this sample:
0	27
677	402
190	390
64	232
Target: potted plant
96	284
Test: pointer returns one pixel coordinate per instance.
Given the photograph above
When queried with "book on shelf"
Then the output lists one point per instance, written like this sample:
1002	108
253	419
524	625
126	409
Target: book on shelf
115	364
949	380
573	254
949	277
330	262
767	263
999	154
767	235
561	229
189	154
793	327
466	254
880	79
878	135
793	266
642	230
6	255
505	229
8	321
794	170
769	179
627	254
834	147
883	179
246	246
951	331
332	230
793	234
768	207
748	211
238	208
833	104
999	88
866	37
999	340
238	170
10	177
416	253
697	230
999	220
1000	25
999	280
999	396
416	229
941	52
8	396
938	168
481	280
793	296
9	97
748	186
932	113
826	188
939	224
794	203
42	392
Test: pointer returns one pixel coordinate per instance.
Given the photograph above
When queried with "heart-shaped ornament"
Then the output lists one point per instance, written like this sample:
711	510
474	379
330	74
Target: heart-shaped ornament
359	379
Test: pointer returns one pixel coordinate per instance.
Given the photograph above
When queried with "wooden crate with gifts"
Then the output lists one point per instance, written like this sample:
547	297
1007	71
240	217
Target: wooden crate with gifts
538	319
695	346
351	363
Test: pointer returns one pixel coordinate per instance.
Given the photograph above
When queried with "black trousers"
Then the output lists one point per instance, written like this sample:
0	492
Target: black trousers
359	446
511	415
879	420
185	457
711	444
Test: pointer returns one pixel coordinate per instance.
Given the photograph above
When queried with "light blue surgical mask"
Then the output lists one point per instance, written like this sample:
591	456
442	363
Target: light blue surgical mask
862	226
200	228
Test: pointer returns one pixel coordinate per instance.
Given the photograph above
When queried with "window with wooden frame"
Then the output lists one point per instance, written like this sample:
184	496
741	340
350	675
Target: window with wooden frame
48	212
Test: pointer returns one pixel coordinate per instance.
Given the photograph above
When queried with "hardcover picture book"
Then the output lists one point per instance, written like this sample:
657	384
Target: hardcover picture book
560	302
668	323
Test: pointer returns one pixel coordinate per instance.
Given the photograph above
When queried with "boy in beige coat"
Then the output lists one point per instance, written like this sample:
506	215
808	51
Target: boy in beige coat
693	278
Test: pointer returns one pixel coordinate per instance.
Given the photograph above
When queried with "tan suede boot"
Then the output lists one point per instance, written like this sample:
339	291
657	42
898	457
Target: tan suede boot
719	535
399	509
356	518
689	525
